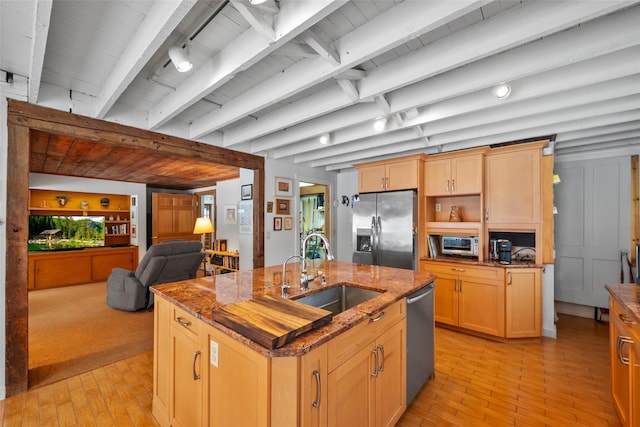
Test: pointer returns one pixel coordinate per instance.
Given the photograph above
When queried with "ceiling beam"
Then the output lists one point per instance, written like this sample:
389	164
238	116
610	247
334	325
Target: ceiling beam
262	23
518	63
372	38
349	89
245	51
315	42
159	23
40	31
437	56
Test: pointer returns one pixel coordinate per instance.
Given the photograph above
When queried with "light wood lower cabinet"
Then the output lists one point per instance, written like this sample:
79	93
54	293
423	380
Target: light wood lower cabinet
186	366
624	347
523	303
502	302
469	297
202	377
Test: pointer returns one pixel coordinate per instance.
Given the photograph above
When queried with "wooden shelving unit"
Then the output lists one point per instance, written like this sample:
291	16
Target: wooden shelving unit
221	262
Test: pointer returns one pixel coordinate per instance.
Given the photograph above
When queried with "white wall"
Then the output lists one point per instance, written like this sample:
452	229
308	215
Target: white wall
279	245
227	194
347	186
69	183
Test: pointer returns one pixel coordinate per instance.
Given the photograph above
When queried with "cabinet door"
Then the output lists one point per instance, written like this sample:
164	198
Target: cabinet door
402	175
446	298
351	390
512	193
391	380
371	179
237	382
161	363
523	303
186	384
313	388
635	379
481	305
620	372
466	174
438	177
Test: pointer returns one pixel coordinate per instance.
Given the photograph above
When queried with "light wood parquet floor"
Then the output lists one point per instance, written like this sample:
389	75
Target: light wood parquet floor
563	382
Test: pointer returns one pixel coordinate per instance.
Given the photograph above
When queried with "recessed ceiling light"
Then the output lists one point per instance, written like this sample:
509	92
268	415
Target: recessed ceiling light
379	124
502	91
324	138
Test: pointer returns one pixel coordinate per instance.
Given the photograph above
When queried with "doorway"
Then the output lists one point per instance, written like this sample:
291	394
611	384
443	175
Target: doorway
314	216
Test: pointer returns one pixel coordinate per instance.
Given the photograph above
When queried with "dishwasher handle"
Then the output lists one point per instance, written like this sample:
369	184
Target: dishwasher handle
419	297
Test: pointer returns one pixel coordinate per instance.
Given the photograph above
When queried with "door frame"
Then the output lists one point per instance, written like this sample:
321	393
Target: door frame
22	118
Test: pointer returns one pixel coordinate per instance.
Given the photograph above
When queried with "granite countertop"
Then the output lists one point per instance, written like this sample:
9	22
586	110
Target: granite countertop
200	296
474	261
627	295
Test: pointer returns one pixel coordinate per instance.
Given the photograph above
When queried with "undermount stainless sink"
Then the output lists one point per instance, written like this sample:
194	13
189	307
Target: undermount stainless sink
339	299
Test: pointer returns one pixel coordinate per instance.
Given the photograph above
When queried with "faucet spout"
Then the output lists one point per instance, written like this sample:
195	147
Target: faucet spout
285	285
306	278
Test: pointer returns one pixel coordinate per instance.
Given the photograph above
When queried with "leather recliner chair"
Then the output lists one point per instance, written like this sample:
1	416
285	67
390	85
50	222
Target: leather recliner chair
169	261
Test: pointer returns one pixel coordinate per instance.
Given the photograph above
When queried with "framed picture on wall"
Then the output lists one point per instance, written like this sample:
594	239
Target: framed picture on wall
230	214
277	223
269	207
283	187
283	206
246	192
288	223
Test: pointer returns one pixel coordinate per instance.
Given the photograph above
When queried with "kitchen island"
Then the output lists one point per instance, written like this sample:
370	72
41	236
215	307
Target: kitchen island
349	371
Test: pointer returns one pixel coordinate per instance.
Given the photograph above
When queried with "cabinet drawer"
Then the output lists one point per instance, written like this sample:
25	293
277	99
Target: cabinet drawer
350	342
183	321
463	270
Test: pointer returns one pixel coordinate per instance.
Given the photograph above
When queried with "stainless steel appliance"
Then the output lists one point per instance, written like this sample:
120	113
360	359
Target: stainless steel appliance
504	251
420	346
384	229
459	245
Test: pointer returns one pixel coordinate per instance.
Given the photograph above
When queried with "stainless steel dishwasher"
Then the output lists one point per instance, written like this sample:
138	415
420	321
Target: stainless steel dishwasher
420	350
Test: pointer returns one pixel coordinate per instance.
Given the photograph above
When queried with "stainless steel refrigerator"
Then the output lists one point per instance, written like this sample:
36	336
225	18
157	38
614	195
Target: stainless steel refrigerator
384	229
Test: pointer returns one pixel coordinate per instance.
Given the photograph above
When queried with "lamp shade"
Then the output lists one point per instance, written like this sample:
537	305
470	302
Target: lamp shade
203	225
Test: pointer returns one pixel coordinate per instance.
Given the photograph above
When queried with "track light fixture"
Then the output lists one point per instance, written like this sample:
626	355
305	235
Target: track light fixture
324	138
502	91
379	124
180	59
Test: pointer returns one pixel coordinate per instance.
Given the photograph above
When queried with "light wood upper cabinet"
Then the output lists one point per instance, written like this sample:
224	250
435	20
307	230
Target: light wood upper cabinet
390	175
513	185
458	175
524	303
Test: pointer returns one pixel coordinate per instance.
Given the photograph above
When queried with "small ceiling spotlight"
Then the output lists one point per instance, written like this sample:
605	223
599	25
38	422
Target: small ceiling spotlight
379	124
324	138
502	91
180	59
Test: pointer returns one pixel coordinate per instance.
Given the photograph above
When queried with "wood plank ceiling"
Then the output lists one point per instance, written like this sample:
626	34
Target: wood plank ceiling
271	78
60	155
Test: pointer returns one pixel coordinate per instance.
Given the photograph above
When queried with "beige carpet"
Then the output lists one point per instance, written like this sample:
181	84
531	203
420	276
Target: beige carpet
73	330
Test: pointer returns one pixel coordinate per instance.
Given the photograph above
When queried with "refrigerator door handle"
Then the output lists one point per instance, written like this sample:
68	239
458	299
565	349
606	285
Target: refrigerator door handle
378	233
374	239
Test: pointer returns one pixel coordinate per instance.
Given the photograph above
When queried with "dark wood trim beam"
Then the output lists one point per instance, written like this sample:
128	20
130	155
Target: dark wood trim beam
16	294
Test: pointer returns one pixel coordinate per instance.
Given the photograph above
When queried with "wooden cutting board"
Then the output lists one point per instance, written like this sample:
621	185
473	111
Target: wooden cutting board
271	321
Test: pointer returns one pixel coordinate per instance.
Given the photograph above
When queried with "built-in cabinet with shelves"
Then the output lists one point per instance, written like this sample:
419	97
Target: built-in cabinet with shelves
203	377
221	262
390	175
624	348
50	269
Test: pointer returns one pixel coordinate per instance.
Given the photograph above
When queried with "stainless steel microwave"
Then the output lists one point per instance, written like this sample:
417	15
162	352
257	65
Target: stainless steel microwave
459	245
